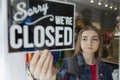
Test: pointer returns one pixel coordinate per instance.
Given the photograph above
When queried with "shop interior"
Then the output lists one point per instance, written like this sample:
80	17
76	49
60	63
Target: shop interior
105	15
105	19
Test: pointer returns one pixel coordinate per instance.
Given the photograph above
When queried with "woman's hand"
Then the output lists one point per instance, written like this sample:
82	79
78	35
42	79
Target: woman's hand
41	66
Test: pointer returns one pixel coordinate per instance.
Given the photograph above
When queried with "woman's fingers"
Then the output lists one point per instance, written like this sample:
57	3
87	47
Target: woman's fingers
51	70
34	61
46	68
40	63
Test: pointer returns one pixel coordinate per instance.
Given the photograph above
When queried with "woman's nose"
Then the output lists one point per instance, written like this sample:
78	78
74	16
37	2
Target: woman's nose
89	42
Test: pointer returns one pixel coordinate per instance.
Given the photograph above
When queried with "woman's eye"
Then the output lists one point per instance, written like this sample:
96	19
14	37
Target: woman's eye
84	39
95	39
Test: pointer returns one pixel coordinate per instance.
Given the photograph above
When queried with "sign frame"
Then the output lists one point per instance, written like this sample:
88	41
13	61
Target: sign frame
58	49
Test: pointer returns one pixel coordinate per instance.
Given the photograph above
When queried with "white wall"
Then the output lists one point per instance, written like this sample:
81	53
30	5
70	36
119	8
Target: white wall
12	66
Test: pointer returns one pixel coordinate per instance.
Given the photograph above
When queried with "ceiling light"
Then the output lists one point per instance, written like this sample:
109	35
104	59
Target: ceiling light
99	3
91	1
115	8
106	5
111	6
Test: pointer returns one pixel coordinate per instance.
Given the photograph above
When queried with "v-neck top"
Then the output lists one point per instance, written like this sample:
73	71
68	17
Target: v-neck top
93	69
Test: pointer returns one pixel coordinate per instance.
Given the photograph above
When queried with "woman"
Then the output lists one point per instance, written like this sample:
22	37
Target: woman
84	65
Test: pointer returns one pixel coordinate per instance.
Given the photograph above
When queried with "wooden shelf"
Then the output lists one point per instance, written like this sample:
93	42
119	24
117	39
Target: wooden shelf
112	60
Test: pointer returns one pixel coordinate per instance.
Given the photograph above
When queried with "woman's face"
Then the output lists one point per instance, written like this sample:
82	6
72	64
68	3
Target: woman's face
90	41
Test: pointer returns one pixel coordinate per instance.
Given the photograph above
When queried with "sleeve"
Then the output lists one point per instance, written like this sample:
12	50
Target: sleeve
68	69
108	72
63	72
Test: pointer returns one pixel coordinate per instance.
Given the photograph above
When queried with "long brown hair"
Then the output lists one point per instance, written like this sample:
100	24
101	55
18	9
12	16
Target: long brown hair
98	53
